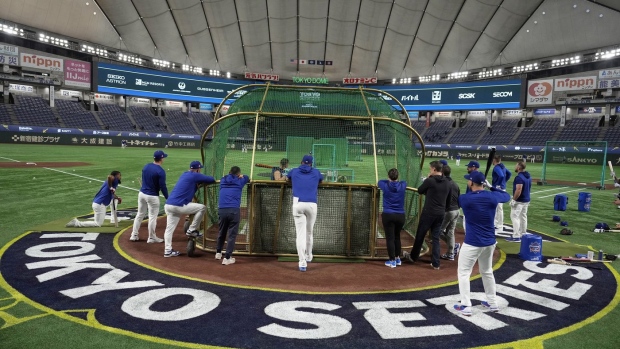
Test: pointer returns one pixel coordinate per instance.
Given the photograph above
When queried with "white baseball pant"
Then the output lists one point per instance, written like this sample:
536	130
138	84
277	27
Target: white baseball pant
499	218
518	215
304	214
99	210
174	215
150	203
468	255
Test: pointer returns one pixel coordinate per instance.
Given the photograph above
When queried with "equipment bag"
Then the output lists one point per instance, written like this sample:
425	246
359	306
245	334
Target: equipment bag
560	202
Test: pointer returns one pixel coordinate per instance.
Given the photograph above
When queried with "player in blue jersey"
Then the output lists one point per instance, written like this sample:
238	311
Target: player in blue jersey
180	203
305	181
520	202
229	212
102	199
500	176
153	181
479	207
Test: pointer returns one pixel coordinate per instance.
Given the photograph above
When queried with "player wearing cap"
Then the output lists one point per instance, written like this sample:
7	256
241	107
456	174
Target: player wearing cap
229	212
520	202
102	199
153	181
180	203
500	176
458	159
443	162
479	208
471	167
305	181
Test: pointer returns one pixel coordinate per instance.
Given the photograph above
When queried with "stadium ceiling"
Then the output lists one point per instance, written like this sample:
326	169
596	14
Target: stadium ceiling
361	38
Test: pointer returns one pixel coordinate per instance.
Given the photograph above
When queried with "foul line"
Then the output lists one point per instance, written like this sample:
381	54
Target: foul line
541	191
564	192
93	179
2	157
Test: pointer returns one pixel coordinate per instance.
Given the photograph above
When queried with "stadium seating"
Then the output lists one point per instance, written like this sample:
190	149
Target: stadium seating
202	120
178	122
438	131
34	111
74	115
469	132
580	129
5	117
541	131
146	121
612	136
502	132
114	118
419	126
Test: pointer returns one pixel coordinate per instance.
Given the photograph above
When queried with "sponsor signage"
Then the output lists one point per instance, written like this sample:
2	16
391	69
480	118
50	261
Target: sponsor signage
443	113
539	92
111	78
205	106
175	104
477	113
31	60
513	112
259	76
8	59
501	94
140	100
546	111
310	80
609	83
575	83
77	73
609	74
359	81
414	115
69	93
618	109
21	88
9	50
103	97
590	110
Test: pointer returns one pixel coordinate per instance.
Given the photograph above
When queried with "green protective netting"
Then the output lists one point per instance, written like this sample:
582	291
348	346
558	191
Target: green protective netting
575	163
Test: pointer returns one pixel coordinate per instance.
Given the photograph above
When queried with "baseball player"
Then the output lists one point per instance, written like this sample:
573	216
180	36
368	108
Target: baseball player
458	159
229	212
393	215
520	201
451	216
180	203
104	197
280	173
471	167
479	208
500	176
305	181
153	181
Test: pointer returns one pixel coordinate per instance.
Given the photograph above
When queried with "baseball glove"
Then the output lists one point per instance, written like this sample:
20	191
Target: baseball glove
566	231
611	257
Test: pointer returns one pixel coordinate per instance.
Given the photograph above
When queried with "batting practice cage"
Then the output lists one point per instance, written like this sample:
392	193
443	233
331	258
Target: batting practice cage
355	137
578	163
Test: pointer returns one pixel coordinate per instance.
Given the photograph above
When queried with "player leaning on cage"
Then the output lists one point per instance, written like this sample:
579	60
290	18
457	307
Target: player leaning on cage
229	212
520	202
153	181
102	199
393	215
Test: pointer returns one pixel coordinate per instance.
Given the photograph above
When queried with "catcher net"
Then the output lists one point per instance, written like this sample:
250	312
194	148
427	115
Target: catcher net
354	136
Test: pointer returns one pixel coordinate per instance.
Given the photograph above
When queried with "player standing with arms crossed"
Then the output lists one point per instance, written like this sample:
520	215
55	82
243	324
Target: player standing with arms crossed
102	199
479	208
153	181
393	215
499	178
305	181
180	203
229	212
521	187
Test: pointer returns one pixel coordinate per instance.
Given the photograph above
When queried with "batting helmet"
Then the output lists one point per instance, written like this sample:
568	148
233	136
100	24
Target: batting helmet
556	218
564	223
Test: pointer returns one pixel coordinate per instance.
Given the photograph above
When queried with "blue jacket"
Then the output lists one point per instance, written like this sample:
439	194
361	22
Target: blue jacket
500	176
154	180
479	210
393	195
231	188
104	195
186	187
305	181
525	179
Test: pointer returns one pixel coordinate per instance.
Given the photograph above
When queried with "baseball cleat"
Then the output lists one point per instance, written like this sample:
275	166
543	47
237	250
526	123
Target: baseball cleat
218	256
73	223
134	238
463	309
193	233
228	261
172	253
490	307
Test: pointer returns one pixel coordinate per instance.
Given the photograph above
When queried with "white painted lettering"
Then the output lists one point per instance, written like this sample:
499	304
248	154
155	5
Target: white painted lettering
108	282
67	266
556	269
84	236
532	298
577	290
140	305
39	250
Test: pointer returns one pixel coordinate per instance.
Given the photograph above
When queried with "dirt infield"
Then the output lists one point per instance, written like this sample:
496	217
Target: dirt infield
268	272
12	164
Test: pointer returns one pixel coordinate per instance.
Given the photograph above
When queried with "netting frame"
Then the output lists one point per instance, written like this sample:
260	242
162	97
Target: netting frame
544	180
414	137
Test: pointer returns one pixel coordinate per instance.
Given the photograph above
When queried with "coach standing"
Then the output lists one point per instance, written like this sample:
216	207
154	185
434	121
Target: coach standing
451	216
180	203
500	176
102	199
479	208
437	191
305	181
393	215
521	187
153	181
229	212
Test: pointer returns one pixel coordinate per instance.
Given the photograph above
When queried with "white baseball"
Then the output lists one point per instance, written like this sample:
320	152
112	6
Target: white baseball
34	177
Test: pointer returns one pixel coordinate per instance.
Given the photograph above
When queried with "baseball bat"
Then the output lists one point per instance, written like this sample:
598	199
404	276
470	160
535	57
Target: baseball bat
489	162
562	262
115	216
263	165
611	168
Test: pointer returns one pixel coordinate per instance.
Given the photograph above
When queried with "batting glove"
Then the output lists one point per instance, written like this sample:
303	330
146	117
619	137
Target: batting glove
486	184
513	203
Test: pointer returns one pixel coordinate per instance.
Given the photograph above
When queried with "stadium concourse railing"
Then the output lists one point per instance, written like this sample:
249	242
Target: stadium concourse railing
359	238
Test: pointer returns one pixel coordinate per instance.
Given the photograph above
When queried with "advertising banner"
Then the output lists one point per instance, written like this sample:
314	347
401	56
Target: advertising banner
609	74
8	59
149	83
476	113
443	113
609	83
103	97
77	73
575	84
206	106
539	92
590	110
174	104
414	115
9	50
513	112
21	88
547	111
69	93
259	76
359	81
501	94
31	60
563	116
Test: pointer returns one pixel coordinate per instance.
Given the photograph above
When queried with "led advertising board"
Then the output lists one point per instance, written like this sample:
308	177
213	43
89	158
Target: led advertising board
130	81
483	95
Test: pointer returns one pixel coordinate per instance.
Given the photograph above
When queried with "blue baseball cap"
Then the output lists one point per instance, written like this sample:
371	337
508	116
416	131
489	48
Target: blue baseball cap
556	218
564	223
475	177
307	159
195	165
473	164
444	162
159	154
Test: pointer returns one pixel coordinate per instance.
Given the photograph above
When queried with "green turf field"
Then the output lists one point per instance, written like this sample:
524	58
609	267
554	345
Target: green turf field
34	196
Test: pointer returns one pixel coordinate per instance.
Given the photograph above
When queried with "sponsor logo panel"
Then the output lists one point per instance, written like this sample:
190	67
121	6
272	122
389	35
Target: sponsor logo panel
539	92
576	83
32	60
